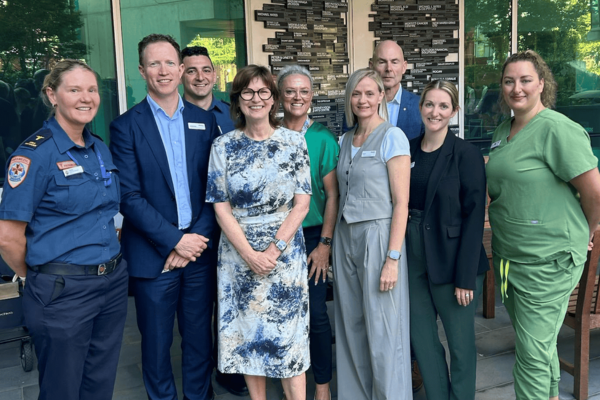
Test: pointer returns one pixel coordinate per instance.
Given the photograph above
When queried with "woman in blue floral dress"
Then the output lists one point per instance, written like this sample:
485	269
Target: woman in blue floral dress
259	182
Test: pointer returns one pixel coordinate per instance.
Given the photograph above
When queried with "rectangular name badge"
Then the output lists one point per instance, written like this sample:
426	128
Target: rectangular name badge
495	144
73	171
196	126
62	165
412	164
371	153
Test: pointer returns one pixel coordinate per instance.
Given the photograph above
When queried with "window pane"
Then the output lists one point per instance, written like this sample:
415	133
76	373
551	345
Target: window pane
216	23
560	32
34	35
487	44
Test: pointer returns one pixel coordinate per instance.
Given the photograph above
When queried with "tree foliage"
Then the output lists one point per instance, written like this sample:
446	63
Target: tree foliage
35	33
221	50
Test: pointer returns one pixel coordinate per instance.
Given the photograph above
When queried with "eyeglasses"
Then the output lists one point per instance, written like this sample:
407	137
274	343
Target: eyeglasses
289	93
263	94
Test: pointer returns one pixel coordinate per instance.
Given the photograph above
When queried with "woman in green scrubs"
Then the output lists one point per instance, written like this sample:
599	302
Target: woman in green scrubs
544	186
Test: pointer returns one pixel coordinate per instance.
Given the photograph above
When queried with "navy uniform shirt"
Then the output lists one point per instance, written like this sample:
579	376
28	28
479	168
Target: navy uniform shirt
68	207
220	110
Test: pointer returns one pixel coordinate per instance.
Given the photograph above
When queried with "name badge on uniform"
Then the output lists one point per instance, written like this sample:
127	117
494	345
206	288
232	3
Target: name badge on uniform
196	126
495	144
73	171
62	165
412	164
371	153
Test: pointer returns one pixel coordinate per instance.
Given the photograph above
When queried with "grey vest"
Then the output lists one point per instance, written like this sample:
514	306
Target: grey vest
364	184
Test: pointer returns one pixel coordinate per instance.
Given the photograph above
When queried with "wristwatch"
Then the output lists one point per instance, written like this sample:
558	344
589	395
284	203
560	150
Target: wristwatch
280	244
325	240
393	254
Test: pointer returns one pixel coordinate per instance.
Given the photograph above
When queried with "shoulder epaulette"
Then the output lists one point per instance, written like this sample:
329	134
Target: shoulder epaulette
33	141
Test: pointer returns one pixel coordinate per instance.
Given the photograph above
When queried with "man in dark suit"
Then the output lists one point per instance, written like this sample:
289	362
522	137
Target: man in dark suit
403	106
161	147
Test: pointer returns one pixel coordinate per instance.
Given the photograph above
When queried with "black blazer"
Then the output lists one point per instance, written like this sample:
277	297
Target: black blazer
454	214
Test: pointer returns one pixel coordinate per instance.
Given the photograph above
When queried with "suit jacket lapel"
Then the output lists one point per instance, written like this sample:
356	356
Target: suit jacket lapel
402	115
439	168
148	127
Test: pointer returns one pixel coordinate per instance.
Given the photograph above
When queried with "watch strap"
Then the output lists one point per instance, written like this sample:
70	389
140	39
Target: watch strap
326	240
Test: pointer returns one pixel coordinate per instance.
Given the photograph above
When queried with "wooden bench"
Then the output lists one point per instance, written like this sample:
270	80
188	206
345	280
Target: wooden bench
583	315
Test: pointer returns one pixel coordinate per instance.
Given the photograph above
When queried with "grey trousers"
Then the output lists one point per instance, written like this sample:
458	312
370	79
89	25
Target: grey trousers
372	327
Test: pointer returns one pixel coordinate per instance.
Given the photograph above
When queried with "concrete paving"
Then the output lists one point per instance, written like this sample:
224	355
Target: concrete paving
495	344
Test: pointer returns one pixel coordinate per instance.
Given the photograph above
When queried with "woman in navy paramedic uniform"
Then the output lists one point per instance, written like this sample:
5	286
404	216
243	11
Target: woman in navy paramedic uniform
60	195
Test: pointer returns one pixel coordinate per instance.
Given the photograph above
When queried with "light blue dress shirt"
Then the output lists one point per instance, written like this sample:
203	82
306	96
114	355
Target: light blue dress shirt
172	132
394	107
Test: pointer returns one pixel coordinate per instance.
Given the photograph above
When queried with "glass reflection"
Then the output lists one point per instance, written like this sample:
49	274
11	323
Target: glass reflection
487	44
32	40
562	33
217	25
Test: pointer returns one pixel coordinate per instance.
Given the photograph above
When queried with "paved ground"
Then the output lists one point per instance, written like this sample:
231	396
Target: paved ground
495	344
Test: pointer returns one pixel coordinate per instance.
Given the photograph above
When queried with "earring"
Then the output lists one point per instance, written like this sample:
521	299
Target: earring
55	105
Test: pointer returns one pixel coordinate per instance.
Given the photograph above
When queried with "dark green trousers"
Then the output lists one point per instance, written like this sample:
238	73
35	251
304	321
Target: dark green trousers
427	301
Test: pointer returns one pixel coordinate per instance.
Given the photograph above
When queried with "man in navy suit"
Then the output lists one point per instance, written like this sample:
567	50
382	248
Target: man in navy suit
403	106
161	147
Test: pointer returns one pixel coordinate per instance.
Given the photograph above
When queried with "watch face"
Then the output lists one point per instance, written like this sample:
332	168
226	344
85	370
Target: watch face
281	245
394	254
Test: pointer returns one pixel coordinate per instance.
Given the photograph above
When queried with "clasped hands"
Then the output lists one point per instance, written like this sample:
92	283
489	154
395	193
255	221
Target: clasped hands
262	262
190	246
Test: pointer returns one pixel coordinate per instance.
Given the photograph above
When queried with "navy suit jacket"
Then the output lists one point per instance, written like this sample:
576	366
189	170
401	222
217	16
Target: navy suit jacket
150	227
454	214
409	115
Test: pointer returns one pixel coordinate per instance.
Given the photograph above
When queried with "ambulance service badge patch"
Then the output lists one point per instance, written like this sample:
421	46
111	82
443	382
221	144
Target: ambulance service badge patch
17	172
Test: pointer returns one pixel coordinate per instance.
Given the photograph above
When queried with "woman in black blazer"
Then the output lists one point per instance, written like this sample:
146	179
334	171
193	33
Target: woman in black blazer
446	259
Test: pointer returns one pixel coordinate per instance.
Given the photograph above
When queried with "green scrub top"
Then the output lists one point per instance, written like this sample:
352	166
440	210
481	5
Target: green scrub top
323	151
535	213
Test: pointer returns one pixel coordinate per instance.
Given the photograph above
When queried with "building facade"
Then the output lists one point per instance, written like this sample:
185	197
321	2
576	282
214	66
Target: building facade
465	41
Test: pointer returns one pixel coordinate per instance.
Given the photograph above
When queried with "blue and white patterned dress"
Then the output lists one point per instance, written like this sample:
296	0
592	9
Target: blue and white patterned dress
263	320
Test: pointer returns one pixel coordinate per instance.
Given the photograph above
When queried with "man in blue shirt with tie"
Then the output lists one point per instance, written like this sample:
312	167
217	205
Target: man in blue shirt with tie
162	147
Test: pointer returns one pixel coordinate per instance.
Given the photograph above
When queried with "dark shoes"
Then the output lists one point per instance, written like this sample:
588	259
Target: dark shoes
417	379
233	383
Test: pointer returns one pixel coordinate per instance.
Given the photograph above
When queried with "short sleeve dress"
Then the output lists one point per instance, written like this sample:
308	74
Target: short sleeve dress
263	320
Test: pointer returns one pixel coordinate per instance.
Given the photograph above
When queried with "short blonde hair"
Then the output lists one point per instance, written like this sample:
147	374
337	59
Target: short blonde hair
353	81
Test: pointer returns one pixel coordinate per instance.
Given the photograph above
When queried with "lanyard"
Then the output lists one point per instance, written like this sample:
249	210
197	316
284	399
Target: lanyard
106	175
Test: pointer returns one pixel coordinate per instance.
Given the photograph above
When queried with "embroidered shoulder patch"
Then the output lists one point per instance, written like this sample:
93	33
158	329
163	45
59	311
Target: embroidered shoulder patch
17	172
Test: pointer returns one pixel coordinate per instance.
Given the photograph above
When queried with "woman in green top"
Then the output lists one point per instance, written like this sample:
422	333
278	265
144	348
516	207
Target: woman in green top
544	187
295	85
